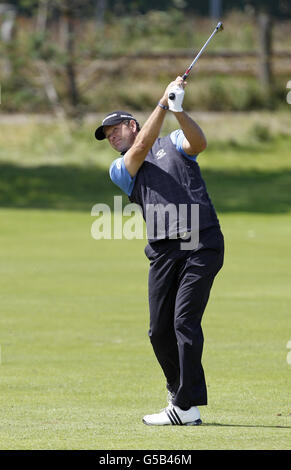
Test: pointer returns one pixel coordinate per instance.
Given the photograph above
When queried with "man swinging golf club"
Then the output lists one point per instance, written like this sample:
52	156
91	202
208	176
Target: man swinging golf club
162	171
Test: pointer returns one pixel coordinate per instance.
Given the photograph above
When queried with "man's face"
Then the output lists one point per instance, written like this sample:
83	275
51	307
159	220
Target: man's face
121	136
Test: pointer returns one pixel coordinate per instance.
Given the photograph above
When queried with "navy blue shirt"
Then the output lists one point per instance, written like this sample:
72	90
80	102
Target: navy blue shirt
120	176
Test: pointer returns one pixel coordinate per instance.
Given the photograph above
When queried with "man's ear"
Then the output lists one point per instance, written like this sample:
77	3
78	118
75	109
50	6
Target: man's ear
133	125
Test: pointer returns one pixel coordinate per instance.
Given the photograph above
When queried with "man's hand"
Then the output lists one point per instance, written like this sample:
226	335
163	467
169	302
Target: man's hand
195	141
177	87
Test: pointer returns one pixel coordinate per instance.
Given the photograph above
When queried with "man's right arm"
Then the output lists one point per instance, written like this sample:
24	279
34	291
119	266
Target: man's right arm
146	137
144	141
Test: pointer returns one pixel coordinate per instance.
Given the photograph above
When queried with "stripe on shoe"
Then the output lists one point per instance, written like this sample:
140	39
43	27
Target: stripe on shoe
173	416
177	416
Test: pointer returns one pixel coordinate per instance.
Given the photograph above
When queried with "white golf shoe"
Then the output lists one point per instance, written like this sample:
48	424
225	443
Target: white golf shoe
173	415
170	397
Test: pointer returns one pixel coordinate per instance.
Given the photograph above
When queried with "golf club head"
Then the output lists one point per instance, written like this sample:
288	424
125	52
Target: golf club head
219	26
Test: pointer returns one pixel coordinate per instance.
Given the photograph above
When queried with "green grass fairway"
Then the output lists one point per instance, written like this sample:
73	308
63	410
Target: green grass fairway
78	371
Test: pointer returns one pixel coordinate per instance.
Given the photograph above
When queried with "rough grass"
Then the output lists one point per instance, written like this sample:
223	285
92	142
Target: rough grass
47	166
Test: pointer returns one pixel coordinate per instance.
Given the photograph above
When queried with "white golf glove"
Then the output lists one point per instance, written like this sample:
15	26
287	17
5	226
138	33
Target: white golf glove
176	104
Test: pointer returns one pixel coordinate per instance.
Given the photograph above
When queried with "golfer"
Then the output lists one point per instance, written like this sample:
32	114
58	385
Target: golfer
163	173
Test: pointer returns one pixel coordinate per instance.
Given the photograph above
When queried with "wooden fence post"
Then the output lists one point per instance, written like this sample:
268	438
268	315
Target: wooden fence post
265	49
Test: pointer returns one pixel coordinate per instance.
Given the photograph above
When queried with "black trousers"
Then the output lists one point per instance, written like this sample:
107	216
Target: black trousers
179	286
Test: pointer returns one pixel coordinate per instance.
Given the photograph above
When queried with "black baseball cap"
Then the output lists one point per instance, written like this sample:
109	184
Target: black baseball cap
110	120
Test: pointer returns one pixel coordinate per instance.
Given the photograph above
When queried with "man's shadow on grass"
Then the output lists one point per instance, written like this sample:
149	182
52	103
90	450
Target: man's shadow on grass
247	425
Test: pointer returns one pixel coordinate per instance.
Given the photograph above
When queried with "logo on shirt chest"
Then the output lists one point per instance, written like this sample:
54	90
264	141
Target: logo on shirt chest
160	154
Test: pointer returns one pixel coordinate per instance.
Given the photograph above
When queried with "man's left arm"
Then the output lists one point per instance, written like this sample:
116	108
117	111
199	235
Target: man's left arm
195	140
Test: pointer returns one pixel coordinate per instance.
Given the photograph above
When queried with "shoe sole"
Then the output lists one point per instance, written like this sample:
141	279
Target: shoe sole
197	422
194	423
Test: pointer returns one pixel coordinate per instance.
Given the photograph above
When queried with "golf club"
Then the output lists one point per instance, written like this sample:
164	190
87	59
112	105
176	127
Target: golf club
219	27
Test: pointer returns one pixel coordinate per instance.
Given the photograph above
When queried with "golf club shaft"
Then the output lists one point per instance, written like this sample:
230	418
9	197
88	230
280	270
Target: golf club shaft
219	27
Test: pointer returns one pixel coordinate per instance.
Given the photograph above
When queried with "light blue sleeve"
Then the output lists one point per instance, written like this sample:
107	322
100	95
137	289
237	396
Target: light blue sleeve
120	176
177	138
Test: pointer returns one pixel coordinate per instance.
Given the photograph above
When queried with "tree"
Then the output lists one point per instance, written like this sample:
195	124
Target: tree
8	31
265	49
42	16
215	8
68	15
